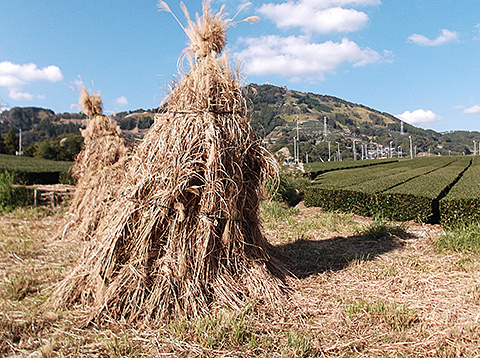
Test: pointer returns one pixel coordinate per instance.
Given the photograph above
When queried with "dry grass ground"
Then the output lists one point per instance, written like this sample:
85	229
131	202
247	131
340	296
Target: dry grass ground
364	288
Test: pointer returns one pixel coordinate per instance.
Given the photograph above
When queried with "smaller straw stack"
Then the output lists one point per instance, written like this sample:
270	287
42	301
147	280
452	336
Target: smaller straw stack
99	167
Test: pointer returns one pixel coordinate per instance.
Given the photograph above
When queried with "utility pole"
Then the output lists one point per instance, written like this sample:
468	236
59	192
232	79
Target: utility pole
411	148
329	152
325	127
295	150
354	151
20	152
298	144
391	154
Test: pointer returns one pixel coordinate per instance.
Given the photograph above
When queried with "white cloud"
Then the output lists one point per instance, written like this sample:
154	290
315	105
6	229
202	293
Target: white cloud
331	3
14	77
445	37
122	101
419	116
318	16
295	56
20	96
472	110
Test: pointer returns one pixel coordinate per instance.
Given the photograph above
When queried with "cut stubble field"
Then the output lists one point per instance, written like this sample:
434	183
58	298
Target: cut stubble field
359	287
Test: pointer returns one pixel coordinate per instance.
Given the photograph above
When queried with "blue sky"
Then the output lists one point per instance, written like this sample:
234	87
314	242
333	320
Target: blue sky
418	59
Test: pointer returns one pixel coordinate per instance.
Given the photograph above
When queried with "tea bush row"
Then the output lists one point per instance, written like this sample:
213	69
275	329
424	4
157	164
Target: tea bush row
461	204
405	191
29	170
315	169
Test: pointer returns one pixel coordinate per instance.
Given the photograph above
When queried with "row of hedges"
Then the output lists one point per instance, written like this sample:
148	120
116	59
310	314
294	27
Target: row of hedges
393	207
461	204
399	193
315	169
378	178
28	170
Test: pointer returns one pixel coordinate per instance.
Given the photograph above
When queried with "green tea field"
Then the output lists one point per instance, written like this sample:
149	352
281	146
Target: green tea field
429	189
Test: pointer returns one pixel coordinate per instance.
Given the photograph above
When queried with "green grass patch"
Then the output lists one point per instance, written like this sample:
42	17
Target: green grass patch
462	238
398	317
381	228
13	196
274	212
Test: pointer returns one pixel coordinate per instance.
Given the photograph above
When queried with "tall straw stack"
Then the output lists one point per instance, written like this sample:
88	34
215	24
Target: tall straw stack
185	236
99	167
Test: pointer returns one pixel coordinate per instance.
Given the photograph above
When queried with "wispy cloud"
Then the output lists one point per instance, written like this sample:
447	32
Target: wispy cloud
122	101
419	116
445	37
295	57
15	77
317	16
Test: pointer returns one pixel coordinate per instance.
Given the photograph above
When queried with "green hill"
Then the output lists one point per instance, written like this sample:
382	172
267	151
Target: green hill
274	111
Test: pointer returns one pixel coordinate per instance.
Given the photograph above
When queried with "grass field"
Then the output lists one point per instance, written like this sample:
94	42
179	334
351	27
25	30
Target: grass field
30	170
29	164
362	288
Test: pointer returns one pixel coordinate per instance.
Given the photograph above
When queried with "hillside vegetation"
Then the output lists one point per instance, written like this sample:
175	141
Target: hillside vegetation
273	111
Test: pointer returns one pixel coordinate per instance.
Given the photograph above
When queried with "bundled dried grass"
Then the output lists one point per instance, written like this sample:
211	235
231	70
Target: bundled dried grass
99	167
208	35
91	103
186	234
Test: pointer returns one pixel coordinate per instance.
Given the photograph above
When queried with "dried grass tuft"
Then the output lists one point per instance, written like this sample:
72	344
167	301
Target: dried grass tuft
90	103
185	235
208	33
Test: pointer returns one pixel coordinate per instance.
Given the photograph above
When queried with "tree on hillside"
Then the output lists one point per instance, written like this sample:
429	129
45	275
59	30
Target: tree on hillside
2	146
31	150
11	142
64	147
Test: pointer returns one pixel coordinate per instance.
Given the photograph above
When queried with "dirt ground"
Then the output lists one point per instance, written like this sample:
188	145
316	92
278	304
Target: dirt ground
357	288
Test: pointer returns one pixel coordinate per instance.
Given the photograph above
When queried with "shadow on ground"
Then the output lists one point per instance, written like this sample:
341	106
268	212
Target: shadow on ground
304	258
